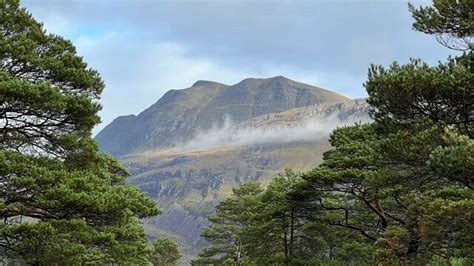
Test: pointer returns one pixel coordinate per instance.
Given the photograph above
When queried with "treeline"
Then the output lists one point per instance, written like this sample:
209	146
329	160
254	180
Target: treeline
62	202
398	190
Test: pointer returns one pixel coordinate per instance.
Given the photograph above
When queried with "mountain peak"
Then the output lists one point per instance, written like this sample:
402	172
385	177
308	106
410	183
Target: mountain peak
276	78
205	83
280	78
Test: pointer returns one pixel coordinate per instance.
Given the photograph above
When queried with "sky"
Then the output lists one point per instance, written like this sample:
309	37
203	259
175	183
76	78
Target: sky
143	48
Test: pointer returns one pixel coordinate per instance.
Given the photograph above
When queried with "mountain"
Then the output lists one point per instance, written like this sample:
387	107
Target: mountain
192	146
179	114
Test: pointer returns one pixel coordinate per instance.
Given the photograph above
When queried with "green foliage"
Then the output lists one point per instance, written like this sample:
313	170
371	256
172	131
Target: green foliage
61	201
231	219
73	242
48	95
395	191
441	94
277	232
443	220
452	22
165	252
260	227
454	161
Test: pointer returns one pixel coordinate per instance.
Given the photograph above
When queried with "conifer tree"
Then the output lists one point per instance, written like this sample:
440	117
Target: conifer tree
165	252
61	201
228	225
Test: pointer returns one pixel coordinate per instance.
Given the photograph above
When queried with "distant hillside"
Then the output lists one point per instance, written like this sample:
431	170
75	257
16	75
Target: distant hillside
191	147
179	114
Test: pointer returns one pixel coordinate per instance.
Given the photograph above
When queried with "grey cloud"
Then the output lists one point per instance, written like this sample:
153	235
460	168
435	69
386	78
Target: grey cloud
325	43
314	34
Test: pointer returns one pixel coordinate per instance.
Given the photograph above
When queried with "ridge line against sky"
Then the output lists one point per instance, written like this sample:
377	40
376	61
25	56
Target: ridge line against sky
144	48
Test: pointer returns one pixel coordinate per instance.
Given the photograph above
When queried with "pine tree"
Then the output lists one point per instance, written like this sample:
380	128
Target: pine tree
165	252
61	201
451	21
276	233
228	226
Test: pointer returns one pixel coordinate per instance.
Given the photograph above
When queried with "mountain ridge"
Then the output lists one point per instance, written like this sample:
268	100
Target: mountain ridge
177	115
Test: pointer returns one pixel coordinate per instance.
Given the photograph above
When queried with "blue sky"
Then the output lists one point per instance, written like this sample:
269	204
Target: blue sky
144	48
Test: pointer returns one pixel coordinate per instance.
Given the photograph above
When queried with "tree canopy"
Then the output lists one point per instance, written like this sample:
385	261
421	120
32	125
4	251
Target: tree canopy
165	252
397	190
61	200
451	21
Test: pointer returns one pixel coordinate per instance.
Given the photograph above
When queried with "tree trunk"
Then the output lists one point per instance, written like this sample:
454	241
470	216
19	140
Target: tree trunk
239	251
285	240
413	245
292	225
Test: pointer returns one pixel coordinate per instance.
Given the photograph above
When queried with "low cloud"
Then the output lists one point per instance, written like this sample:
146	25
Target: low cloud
230	134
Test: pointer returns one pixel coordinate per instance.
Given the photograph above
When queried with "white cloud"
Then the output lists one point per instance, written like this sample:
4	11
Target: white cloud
313	127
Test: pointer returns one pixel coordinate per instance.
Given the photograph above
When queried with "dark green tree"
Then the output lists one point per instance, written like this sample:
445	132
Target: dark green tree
398	190
442	219
61	201
451	21
388	180
165	252
277	232
359	192
228	226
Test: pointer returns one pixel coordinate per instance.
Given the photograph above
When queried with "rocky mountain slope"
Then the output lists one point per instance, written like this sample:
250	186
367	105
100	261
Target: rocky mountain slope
179	114
191	147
